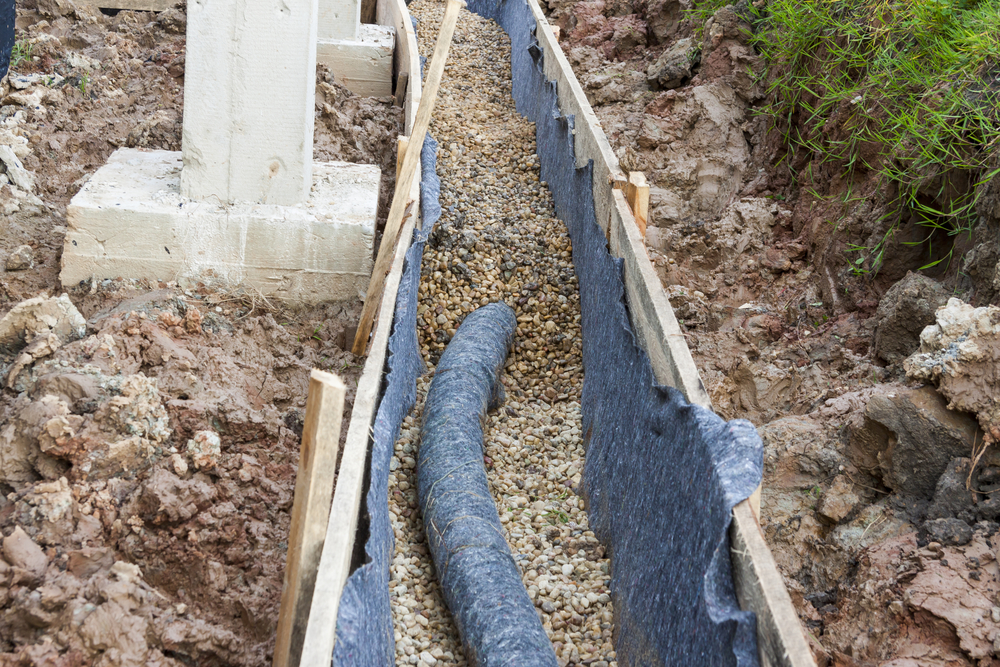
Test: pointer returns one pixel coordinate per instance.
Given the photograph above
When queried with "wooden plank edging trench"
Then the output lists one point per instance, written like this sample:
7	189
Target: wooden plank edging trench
759	586
338	547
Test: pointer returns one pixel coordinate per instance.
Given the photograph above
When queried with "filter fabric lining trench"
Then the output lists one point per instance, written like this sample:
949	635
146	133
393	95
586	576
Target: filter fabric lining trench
661	475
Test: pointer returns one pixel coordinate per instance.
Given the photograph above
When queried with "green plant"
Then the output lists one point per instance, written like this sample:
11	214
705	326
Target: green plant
21	53
906	89
84	80
555	516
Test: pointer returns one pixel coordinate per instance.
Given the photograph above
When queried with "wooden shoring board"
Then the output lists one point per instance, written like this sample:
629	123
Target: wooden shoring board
781	640
310	511
406	58
399	208
335	562
338	547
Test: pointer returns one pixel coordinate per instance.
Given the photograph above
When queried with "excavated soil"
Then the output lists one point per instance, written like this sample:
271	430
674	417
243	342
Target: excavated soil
149	433
148	460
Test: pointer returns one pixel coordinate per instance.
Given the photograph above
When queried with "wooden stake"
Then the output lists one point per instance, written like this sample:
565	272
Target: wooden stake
310	511
401	144
637	194
401	82
400	198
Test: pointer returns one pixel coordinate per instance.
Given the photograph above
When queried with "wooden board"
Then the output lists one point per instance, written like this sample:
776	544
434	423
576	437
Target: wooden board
637	194
338	547
760	588
411	163
310	511
335	562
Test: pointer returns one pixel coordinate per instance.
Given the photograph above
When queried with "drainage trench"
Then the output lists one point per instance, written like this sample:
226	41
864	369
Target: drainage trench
498	239
662	475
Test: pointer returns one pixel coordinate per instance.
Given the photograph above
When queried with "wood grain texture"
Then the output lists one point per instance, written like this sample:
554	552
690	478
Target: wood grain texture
341	532
400	198
637	193
335	562
310	511
780	640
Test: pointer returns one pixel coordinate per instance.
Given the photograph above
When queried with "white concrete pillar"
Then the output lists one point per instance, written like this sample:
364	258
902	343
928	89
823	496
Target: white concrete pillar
249	94
339	19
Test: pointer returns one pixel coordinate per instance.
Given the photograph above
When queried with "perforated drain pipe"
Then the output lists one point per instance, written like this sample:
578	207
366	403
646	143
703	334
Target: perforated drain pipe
481	582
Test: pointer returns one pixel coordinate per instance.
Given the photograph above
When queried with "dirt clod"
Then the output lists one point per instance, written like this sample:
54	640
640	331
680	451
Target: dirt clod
913	439
21	259
902	314
960	354
21	552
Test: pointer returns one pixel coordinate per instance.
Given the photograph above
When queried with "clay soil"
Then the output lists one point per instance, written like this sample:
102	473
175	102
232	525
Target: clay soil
147	467
153	530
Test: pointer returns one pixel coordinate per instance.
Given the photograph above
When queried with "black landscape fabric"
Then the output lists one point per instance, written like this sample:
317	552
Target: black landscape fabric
7	17
364	619
481	582
661	475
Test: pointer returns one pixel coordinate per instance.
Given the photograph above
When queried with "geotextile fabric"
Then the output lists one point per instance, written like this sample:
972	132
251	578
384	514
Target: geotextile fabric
8	14
661	475
364	619
481	583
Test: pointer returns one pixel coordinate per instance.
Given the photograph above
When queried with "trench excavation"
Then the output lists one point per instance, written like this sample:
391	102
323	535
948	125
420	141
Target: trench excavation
499	240
615	494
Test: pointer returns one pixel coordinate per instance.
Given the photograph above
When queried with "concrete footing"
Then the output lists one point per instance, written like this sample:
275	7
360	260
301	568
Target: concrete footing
363	63
130	220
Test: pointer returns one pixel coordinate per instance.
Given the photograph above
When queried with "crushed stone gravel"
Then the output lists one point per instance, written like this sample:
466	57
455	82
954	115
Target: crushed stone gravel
498	240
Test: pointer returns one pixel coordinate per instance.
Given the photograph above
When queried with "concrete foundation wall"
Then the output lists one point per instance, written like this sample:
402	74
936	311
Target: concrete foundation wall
249	91
364	64
131	221
339	19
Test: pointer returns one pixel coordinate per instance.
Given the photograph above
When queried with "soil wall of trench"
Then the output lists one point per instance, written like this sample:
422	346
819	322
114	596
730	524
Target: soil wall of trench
177	557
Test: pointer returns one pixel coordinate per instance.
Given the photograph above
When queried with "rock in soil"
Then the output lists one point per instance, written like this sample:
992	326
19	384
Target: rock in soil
902	314
960	354
952	497
911	436
22	258
165	439
950	532
673	68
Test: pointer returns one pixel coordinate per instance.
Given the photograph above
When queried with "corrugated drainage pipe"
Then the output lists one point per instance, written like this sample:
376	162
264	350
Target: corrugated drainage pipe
481	582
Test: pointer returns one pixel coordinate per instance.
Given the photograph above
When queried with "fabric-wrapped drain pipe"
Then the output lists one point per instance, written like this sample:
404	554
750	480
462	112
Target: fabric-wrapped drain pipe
481	582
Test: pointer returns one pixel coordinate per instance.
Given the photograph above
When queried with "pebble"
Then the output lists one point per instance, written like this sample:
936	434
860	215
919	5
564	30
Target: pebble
21	259
498	240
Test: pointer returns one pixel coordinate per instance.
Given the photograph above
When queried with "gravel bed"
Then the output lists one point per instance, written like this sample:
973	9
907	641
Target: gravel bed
499	239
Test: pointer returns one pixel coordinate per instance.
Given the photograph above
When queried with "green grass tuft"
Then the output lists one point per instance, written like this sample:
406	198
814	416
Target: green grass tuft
21	53
907	89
